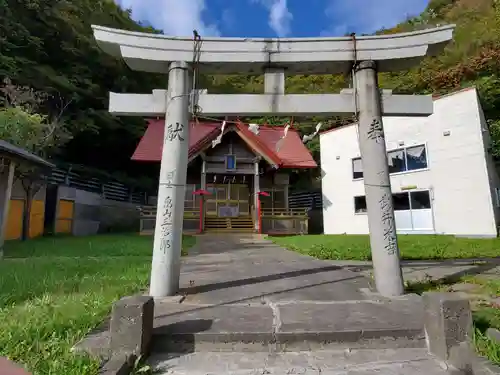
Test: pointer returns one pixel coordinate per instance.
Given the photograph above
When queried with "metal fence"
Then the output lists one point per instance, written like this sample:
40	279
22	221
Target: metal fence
312	200
109	190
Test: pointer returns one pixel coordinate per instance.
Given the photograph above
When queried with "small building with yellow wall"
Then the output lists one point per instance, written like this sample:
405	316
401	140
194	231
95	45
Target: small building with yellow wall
12	196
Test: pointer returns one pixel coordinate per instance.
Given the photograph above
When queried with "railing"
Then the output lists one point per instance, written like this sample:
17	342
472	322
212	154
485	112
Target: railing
148	220
314	201
274	220
309	199
284	220
284	212
112	190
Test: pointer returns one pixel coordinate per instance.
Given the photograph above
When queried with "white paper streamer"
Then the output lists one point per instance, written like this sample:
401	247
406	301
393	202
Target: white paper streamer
254	128
280	142
306	138
218	140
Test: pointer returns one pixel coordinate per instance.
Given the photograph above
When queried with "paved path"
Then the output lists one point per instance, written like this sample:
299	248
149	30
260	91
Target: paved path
248	306
356	362
242	291
231	269
425	270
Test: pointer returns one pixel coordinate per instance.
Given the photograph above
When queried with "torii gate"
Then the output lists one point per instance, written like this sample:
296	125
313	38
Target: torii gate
179	57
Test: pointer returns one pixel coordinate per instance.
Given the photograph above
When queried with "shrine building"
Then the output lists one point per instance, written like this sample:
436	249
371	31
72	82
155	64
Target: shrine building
231	176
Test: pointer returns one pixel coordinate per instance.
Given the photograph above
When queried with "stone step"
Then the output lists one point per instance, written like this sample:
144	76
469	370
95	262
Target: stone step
324	362
284	326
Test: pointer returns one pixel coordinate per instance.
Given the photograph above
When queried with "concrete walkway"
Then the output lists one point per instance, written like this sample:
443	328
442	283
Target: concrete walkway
248	306
251	307
236	269
322	362
426	270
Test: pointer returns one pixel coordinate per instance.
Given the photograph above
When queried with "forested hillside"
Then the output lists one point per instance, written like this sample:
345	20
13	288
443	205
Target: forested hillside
48	45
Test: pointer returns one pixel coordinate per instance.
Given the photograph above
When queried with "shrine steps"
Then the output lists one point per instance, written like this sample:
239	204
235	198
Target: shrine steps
242	224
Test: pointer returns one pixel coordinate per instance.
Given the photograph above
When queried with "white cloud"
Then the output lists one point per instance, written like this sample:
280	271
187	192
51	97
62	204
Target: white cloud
174	17
227	19
368	16
280	17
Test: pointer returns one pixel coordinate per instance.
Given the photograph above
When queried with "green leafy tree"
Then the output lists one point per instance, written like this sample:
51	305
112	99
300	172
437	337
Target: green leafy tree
43	135
48	45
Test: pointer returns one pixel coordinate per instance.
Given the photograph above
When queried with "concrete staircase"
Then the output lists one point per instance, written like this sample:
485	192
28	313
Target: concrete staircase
241	224
249	307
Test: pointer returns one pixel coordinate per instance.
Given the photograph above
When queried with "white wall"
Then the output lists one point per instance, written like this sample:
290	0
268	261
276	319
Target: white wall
457	173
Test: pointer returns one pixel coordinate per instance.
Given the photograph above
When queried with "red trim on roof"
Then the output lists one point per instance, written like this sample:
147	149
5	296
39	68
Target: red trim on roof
264	150
292	154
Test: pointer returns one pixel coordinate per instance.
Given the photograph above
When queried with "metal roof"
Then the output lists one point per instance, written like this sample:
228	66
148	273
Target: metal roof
19	153
292	153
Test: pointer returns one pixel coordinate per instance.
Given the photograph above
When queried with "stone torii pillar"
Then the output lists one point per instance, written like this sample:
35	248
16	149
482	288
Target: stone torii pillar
167	245
373	54
378	193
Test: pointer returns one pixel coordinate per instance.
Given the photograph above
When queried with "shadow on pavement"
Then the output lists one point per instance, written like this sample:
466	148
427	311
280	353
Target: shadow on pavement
256	280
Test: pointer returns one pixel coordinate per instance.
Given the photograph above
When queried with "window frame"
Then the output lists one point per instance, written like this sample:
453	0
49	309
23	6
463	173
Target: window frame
497	197
408	193
424	144
426	158
226	159
352	169
405	159
354	202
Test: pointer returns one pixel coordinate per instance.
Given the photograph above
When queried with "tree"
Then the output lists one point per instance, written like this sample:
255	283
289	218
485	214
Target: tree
43	135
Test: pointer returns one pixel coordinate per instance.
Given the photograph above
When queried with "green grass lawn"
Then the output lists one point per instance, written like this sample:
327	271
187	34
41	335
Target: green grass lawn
54	290
486	316
347	247
419	247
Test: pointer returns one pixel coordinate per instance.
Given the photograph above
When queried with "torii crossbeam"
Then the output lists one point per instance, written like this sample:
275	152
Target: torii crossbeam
365	56
217	105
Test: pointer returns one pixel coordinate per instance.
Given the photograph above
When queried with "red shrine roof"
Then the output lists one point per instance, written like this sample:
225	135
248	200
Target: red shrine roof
292	154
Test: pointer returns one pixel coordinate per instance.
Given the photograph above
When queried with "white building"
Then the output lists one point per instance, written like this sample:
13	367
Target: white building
442	175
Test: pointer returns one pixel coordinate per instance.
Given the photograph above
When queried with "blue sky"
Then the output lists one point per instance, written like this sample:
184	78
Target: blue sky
272	18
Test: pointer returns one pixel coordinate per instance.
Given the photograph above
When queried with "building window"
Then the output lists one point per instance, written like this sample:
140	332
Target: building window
230	162
414	200
357	168
416	158
401	160
401	201
397	161
359	205
420	200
